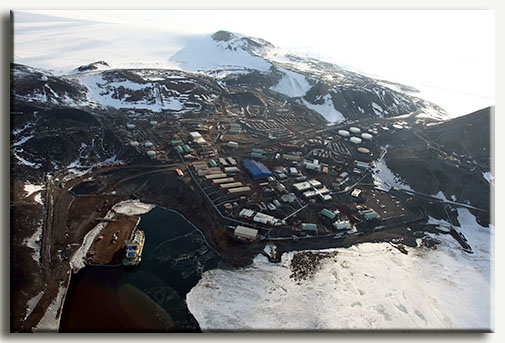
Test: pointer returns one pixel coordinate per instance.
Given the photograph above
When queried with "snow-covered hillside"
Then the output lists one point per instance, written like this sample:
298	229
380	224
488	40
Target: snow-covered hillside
292	84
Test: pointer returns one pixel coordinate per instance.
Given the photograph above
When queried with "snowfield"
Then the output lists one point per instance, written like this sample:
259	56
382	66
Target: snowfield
326	109
367	286
385	178
292	84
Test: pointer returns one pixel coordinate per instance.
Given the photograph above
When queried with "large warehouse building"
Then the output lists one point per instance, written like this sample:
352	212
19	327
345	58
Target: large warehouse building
257	170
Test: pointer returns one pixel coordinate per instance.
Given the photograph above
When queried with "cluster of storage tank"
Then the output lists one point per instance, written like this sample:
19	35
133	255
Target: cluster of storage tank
150	153
354	139
358	137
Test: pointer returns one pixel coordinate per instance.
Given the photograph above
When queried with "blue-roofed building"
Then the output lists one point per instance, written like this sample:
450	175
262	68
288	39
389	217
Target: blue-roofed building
257	170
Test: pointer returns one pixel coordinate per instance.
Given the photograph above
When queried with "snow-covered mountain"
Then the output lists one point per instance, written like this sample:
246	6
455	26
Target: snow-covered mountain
224	49
335	93
215	62
223	67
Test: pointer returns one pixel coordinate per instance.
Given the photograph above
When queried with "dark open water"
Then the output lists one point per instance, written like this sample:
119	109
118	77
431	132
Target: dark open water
149	297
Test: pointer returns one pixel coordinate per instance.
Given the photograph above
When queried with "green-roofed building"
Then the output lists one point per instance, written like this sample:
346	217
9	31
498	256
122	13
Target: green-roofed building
309	227
328	213
187	148
370	215
212	163
179	149
259	151
176	142
256	155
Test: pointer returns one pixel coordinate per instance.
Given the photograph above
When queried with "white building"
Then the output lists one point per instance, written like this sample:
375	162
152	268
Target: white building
266	219
316	192
313	165
245	232
342	225
303	186
233	145
231	170
195	134
246	213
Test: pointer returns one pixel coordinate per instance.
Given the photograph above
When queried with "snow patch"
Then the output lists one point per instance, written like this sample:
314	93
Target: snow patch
32	303
78	260
489	177
292	84
326	109
270	249
440	195
38	198
384	178
33	242
30	189
50	322
23	161
132	208
22	140
377	109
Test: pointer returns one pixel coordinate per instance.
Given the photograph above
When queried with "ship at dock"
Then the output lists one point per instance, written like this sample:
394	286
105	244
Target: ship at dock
134	249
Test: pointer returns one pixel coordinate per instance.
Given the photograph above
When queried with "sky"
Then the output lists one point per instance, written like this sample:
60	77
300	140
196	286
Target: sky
448	54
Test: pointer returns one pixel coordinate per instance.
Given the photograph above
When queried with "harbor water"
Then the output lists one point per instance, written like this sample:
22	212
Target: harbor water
149	297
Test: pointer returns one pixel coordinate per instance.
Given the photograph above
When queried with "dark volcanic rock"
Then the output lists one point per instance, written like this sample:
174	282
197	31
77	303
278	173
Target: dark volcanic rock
453	162
93	66
223	36
305	264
